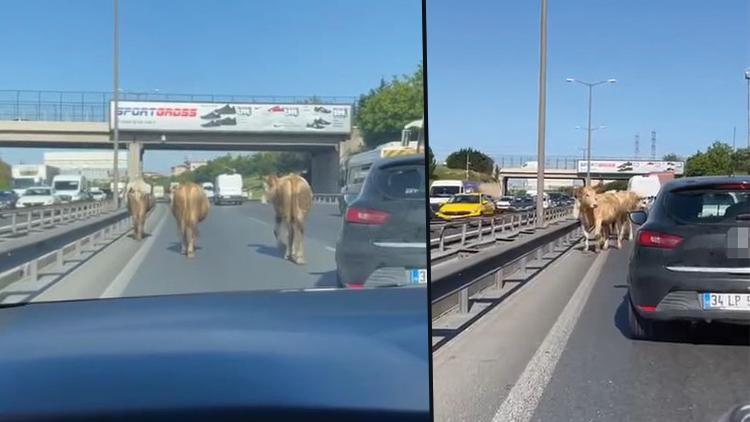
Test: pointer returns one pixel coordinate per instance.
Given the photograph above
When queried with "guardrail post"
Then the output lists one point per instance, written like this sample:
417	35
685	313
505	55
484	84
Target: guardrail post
78	247
463	234
59	257
523	264
442	239
34	270
13	228
28	221
480	229
492	229
463	301
499	279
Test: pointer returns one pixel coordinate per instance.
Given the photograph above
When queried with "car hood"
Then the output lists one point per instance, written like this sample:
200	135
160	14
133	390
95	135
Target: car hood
460	207
337	349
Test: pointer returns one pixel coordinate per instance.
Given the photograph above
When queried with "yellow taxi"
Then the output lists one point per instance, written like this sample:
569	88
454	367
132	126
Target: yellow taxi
466	205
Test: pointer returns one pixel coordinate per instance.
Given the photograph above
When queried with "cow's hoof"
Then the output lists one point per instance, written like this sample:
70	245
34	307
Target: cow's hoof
299	261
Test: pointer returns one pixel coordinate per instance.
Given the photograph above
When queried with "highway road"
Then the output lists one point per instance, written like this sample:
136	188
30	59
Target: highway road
236	250
557	350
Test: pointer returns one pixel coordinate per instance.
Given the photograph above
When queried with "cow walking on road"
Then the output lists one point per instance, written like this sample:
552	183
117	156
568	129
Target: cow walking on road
140	202
189	207
291	197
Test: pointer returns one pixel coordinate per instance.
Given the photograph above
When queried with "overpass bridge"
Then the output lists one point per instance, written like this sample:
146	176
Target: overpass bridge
149	121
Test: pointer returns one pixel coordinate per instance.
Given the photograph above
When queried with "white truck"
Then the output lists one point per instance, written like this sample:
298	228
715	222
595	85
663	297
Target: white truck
228	189
70	187
27	175
159	193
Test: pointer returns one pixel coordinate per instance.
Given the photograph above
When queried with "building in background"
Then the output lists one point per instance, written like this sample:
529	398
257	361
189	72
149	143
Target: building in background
94	165
187	165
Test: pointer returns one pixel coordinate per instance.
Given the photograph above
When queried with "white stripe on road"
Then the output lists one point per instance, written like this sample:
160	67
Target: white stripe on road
121	282
524	397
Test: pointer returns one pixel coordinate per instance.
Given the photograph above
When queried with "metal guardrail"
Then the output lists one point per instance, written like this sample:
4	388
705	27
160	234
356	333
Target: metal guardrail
30	270
326	198
494	269
488	229
47	216
93	106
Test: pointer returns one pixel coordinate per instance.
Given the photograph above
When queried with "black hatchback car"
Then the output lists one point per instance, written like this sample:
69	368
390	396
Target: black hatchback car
383	238
691	259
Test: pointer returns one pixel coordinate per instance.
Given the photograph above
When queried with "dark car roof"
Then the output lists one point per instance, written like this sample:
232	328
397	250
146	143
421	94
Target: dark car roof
335	349
708	180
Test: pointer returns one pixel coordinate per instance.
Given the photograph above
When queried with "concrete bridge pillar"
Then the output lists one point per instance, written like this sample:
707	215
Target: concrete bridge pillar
324	171
135	164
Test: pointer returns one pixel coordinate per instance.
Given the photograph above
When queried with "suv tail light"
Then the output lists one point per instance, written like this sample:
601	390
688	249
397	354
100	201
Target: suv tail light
658	240
366	216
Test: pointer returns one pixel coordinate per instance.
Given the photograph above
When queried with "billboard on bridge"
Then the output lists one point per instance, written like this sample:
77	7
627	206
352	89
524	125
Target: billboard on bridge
632	167
150	116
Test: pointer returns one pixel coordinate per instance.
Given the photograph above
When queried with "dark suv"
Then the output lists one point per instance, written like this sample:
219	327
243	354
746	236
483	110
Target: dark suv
691	259
383	238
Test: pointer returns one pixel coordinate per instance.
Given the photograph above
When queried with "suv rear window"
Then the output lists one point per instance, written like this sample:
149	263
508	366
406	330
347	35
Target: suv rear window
708	205
401	182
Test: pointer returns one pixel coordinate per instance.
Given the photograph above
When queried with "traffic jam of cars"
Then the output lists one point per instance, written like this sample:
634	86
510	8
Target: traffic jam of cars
457	199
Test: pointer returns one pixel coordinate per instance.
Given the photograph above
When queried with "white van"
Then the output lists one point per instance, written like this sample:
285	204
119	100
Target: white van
228	189
70	187
442	190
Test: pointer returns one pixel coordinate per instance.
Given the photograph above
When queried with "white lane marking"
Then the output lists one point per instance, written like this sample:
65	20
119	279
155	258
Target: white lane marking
524	397
121	282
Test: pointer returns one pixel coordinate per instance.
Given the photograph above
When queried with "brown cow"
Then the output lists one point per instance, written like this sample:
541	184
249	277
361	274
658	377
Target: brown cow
599	213
138	206
189	207
629	201
139	202
291	197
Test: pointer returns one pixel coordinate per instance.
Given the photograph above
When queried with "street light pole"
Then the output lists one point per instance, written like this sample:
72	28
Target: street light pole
115	92
590	86
542	117
747	77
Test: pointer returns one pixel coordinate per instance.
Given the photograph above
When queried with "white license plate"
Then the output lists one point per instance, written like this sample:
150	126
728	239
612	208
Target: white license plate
735	301
417	276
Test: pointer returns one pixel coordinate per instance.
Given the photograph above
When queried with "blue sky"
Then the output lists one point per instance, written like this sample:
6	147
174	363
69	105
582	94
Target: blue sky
294	47
679	66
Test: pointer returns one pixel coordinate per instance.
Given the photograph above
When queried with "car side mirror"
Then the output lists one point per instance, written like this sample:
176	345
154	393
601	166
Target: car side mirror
638	217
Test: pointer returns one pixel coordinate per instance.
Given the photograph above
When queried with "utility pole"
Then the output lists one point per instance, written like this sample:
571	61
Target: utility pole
467	165
637	145
542	117
747	77
115	91
653	145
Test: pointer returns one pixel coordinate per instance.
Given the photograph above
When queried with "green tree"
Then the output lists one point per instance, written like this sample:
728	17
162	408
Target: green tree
478	161
384	111
741	159
671	157
717	160
5	176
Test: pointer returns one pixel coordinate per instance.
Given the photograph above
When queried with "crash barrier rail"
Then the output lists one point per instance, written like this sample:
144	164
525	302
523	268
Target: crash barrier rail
499	225
453	287
48	216
30	270
326	198
93	106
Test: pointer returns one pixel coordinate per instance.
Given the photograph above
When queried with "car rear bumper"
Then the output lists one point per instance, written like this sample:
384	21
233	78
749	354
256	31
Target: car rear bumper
675	295
357	261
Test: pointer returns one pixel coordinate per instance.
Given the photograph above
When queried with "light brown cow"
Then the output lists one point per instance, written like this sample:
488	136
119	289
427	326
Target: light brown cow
629	201
189	207
599	214
139	203
291	197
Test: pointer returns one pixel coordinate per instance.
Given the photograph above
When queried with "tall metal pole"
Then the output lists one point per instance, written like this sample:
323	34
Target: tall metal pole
542	117
113	113
588	142
747	77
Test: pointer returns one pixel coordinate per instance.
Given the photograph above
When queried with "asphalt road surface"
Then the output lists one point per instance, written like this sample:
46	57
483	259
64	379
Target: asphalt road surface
558	350
235	250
